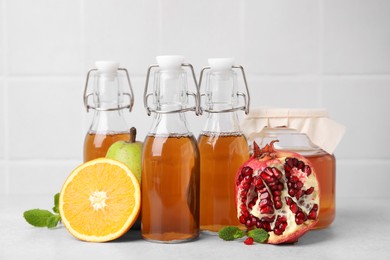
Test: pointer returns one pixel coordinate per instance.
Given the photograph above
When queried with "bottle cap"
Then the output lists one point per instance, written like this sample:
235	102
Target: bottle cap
221	63
170	61
107	67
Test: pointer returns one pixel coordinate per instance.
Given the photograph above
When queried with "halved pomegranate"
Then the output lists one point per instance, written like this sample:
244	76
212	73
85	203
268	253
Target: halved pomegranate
278	191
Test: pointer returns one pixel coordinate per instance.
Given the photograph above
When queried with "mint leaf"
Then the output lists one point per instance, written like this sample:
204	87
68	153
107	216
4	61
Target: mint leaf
229	233
56	202
52	221
37	217
258	234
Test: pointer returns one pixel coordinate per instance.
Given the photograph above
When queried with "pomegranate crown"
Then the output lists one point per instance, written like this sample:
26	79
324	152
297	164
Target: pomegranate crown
266	152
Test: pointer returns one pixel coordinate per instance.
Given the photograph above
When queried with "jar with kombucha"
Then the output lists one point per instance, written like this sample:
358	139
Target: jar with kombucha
108	100
323	163
170	157
223	147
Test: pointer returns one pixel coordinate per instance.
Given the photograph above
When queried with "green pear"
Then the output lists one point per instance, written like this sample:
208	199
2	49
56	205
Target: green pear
128	152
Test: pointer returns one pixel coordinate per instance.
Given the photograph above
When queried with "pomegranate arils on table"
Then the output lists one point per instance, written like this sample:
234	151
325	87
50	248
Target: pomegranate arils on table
277	191
248	241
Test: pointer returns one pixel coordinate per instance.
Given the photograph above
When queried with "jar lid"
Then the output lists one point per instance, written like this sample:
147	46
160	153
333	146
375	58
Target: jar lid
315	123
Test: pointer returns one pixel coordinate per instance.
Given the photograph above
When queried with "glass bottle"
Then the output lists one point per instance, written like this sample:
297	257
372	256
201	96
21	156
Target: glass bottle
170	158
109	101
223	147
323	163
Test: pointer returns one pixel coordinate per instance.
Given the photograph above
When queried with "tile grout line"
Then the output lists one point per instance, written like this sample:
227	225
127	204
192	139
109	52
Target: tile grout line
320	52
5	99
83	127
242	12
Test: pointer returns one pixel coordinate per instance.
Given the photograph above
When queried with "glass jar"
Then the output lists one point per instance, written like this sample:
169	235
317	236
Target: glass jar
323	163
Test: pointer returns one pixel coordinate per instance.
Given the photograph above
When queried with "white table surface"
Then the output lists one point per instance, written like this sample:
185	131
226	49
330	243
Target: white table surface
361	231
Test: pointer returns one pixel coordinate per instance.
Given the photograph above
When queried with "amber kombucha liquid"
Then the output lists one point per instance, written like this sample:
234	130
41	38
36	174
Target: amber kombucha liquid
324	166
97	144
170	188
221	155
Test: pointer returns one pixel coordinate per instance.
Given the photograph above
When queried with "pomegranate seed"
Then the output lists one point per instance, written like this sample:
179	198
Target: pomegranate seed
266	226
249	223
301	165
259	183
248	241
277	192
299	185
287	174
278	232
301	215
267	210
264	195
242	207
247	171
309	191
299	194
276	172
266	177
290	162
315	207
287	168
312	214
295	162
268	171
263	202
245	186
294	208
280	186
242	219
277	198
288	201
307	170
292	192
259	224
294	179
278	204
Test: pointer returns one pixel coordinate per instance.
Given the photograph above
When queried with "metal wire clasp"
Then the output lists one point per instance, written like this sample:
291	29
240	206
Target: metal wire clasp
196	95
129	94
245	96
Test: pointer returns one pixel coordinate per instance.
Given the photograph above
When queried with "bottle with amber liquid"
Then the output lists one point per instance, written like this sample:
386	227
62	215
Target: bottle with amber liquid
170	157
223	147
108	98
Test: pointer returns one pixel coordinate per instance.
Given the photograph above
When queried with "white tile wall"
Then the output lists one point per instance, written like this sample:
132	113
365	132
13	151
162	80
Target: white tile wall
127	31
44	37
362	104
305	53
46	121
282	37
356	36
39	177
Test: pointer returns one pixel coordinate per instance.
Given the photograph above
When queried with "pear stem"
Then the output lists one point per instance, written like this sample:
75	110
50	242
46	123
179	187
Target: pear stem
133	135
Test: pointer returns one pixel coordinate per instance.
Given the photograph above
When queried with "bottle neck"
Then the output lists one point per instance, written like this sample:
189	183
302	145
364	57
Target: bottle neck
174	124
109	122
222	123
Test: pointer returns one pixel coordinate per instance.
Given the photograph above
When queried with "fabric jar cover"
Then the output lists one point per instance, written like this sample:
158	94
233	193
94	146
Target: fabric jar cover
315	123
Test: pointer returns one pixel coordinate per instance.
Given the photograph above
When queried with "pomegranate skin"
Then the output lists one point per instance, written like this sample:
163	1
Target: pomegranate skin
278	191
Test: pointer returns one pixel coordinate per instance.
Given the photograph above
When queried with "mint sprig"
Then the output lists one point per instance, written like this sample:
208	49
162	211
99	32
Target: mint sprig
42	217
229	233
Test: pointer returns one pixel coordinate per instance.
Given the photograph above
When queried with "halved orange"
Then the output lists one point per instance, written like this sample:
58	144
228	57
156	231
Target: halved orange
100	200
